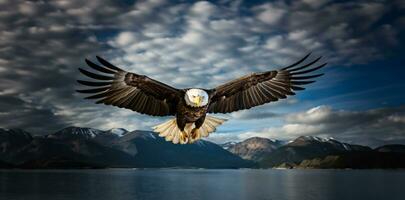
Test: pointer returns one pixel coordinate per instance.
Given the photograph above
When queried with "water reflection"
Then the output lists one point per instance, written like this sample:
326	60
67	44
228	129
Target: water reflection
196	184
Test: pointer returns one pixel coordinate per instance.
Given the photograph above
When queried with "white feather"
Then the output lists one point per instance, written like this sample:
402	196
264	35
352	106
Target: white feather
171	132
192	95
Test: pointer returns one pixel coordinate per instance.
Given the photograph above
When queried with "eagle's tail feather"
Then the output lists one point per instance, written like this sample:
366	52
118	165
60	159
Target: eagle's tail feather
171	132
209	126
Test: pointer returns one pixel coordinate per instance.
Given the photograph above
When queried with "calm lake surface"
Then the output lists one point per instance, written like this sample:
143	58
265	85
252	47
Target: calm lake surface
190	184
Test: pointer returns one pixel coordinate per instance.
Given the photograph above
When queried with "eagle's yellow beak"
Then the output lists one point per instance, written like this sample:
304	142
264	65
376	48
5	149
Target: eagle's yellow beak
199	100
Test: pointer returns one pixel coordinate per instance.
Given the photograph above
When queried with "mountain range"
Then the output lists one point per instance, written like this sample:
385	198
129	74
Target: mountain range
316	152
75	147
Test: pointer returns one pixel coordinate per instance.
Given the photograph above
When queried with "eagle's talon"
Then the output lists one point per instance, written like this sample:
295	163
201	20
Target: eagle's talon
184	137
195	134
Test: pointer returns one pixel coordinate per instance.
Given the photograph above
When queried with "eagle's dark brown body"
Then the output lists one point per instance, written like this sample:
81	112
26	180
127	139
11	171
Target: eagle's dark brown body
187	114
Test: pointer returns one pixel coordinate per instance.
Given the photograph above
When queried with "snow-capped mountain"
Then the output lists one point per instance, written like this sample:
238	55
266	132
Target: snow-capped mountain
270	153
118	131
106	138
307	140
87	147
309	147
312	138
75	133
226	145
254	148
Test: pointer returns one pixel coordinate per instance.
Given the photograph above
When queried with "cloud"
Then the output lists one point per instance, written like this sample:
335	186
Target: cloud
41	45
269	13
253	115
185	44
316	3
27	114
370	127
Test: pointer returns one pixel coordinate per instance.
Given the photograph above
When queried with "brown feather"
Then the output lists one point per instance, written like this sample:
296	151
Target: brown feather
129	90
259	88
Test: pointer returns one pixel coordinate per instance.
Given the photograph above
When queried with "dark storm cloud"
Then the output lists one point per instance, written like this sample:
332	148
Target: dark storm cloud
20	113
41	45
43	42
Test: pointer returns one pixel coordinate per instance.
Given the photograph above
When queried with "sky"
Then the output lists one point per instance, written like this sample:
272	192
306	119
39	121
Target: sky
360	99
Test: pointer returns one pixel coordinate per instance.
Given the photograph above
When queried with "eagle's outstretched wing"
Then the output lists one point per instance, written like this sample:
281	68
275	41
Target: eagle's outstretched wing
129	90
260	88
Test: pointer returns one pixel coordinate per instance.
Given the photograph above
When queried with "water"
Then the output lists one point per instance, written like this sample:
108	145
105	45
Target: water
190	184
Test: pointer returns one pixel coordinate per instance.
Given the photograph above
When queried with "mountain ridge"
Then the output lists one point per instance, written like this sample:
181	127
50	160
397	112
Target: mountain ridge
93	148
317	152
79	147
254	148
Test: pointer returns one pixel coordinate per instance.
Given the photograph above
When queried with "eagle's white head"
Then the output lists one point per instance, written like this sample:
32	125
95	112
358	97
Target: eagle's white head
196	97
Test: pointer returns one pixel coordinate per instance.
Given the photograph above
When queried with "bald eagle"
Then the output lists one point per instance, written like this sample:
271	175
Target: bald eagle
190	106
